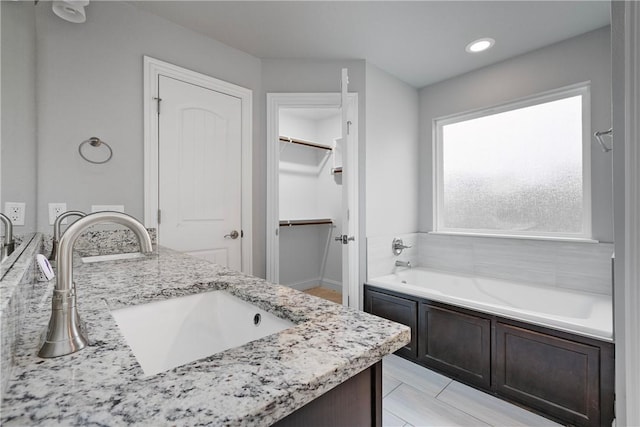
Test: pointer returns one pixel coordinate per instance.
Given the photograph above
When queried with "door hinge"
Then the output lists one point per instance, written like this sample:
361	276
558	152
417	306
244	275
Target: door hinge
158	99
349	127
159	216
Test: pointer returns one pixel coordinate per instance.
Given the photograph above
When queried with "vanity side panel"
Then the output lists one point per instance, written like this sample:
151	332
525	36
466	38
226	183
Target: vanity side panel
355	402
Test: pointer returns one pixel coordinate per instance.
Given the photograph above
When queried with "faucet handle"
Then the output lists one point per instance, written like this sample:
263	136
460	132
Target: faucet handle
398	245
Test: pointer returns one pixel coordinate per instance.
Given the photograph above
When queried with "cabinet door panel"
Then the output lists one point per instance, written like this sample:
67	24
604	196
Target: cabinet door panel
399	310
555	375
456	343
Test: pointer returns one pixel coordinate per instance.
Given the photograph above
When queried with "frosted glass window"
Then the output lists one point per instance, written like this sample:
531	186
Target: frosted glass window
520	171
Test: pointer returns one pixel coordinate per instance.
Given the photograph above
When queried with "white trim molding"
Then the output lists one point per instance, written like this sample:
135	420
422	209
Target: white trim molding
625	42
632	210
153	68
275	101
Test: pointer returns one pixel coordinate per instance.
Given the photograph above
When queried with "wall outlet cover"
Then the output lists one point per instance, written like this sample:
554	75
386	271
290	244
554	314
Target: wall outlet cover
113	208
15	211
55	210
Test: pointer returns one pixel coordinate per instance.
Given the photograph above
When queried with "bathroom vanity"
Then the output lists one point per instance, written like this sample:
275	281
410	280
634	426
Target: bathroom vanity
324	370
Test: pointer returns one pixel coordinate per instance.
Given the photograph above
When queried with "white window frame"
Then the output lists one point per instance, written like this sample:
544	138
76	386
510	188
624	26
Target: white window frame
583	89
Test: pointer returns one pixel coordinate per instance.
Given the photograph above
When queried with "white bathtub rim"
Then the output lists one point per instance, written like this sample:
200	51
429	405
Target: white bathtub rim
598	326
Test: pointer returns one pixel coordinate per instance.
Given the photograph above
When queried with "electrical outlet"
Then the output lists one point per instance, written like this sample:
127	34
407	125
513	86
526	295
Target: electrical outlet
15	211
55	210
113	208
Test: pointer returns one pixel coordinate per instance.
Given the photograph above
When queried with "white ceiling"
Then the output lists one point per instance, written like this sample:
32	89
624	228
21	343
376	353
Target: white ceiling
420	42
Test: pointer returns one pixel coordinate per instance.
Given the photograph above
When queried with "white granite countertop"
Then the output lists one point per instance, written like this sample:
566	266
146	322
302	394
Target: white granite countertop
256	384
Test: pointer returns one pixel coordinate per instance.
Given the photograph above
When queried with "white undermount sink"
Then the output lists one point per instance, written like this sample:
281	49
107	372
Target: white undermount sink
171	333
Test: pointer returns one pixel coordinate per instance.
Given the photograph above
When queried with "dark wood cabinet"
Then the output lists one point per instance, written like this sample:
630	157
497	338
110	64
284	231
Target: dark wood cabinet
563	376
557	376
401	310
355	402
456	343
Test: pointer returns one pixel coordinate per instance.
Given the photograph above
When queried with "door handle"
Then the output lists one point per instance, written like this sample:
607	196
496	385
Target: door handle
344	239
233	235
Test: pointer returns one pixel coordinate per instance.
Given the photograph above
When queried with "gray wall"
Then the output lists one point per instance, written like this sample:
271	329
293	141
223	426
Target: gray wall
579	59
392	155
18	180
90	83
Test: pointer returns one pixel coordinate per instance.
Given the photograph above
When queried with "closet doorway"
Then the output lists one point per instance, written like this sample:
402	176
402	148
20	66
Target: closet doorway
312	191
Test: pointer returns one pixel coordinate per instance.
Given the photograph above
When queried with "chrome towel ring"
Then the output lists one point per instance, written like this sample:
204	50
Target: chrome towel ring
95	142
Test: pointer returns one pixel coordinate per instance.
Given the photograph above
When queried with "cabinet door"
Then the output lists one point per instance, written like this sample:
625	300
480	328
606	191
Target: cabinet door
456	344
399	310
555	375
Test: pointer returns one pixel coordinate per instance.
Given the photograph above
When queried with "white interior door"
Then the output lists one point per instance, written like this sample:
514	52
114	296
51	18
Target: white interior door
199	170
349	252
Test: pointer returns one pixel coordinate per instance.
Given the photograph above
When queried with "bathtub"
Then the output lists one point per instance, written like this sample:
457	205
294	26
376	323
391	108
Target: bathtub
581	313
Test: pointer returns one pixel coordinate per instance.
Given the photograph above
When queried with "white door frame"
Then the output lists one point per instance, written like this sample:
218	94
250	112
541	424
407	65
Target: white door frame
154	68
275	101
626	150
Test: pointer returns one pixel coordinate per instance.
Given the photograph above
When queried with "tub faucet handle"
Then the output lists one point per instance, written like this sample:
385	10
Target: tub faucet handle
398	245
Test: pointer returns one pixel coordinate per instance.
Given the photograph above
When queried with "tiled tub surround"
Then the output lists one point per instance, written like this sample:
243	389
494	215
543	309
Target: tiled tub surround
255	384
575	266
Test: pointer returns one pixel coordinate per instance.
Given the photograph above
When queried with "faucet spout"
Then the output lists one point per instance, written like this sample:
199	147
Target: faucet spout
65	334
56	231
403	264
9	244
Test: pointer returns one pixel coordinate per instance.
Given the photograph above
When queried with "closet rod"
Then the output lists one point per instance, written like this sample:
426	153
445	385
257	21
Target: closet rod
303	142
294	222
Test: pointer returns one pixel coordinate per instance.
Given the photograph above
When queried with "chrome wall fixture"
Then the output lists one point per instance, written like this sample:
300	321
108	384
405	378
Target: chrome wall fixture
598	136
397	246
95	142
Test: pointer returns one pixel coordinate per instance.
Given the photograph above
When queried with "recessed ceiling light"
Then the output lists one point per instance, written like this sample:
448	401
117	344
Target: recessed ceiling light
480	45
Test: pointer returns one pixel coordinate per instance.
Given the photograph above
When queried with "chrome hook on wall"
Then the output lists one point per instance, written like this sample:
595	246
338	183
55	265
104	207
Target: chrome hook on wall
598	136
95	142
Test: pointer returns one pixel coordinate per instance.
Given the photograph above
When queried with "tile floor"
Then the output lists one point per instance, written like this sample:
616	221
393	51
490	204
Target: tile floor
416	396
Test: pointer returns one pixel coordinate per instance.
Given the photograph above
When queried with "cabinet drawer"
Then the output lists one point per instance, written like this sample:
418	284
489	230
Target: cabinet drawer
555	375
456	343
399	310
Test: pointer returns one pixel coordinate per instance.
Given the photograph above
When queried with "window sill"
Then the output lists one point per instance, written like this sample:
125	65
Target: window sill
516	237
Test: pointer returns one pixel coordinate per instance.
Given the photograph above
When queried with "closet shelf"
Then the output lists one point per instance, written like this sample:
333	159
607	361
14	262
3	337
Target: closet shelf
314	221
306	143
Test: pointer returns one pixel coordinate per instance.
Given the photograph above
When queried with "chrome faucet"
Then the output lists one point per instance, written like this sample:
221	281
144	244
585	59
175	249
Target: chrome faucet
56	231
9	244
403	264
66	334
397	246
